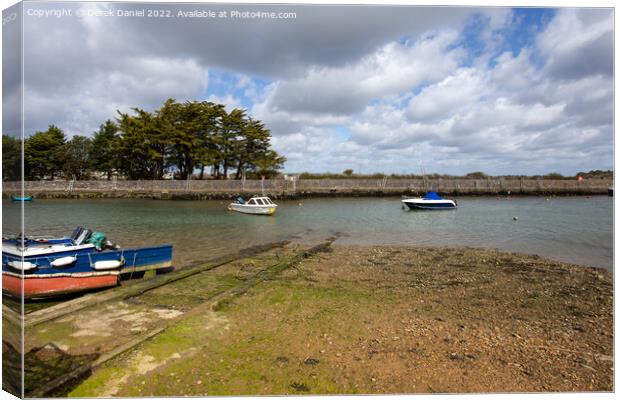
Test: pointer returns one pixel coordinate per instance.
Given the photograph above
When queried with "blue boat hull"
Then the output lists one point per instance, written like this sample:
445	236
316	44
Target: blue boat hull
435	206
47	280
20	198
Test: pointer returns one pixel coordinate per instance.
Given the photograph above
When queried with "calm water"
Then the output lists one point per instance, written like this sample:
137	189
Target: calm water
571	229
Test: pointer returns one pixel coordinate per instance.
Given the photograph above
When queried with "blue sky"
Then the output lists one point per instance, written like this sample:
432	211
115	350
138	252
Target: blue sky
376	89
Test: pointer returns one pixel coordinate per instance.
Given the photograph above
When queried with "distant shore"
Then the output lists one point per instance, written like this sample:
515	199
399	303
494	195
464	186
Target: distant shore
303	188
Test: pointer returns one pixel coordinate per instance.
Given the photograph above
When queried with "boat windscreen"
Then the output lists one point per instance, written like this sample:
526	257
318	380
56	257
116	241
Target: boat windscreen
432	196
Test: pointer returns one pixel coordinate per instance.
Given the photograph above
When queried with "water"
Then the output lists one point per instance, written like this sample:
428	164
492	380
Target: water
571	229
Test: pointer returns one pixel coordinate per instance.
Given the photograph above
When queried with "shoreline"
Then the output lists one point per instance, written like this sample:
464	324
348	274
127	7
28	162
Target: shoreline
200	196
349	320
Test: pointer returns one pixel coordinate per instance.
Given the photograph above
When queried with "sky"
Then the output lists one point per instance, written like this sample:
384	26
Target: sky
371	88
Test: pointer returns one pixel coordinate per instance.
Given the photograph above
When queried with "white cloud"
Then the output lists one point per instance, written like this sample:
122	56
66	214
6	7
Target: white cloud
379	90
578	43
135	82
393	69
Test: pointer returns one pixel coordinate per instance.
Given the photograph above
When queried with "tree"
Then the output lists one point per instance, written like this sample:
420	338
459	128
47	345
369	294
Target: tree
251	146
269	164
347	172
182	125
141	144
207	152
101	154
228	139
42	153
141	148
477	175
11	158
74	157
553	175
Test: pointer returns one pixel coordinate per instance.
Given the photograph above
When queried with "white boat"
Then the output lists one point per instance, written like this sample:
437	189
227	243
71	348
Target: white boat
256	205
430	201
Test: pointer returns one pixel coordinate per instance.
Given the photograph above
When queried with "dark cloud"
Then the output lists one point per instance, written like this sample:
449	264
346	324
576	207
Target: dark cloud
378	85
11	71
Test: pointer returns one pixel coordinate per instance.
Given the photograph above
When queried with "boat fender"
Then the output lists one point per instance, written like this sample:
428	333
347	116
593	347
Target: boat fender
63	262
22	266
108	264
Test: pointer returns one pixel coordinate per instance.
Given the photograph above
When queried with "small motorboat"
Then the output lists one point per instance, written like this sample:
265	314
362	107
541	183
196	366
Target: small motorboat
21	198
256	205
430	201
37	267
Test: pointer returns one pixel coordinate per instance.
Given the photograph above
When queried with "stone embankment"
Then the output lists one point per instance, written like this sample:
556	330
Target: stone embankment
280	188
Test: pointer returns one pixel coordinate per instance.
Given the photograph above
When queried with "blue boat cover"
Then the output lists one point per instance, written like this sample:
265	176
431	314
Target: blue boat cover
432	196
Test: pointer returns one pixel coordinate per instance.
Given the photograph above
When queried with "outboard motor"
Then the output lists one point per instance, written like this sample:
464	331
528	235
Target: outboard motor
83	236
76	233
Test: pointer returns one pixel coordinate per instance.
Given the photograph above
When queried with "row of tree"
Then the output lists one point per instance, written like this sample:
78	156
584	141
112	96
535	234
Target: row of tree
178	138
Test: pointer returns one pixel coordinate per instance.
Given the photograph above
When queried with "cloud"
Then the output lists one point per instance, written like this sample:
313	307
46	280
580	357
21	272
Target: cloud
578	43
373	88
133	82
393	69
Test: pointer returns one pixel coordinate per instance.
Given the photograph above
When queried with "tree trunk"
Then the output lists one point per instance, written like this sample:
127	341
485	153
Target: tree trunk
239	170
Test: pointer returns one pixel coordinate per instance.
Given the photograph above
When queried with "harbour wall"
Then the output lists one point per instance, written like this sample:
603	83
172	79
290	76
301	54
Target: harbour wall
302	188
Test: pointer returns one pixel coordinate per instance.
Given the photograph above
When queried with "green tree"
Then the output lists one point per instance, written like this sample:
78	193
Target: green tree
477	175
181	125
141	147
74	157
11	158
348	172
207	152
228	140
102	154
269	164
42	152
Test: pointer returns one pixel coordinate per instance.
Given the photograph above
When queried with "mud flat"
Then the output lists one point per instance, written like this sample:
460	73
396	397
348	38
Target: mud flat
347	320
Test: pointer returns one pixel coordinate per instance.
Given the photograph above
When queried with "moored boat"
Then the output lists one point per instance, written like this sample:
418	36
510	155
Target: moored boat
430	201
84	261
256	205
21	198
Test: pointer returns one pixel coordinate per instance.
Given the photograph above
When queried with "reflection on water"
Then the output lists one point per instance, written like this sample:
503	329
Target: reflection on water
571	229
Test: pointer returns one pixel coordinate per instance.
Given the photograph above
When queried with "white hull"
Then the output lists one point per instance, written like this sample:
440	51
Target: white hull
253	209
427	204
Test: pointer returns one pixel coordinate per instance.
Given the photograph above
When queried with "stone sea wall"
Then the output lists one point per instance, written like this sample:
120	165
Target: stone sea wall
280	188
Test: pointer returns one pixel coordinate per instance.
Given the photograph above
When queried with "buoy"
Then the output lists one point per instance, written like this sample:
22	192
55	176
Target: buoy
515	218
